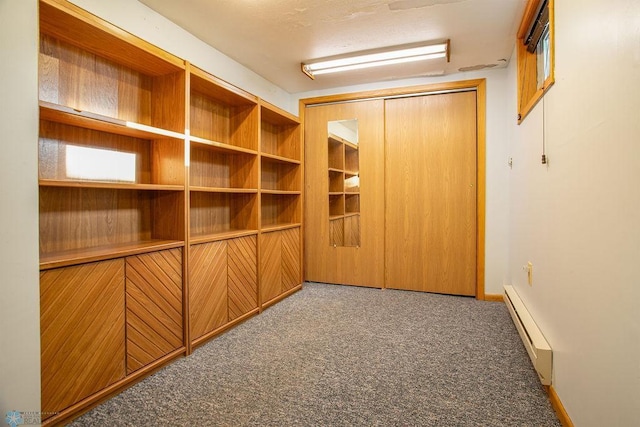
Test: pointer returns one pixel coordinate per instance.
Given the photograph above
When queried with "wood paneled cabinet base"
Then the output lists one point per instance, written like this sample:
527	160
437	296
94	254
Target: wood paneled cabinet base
279	263
87	345
223	284
82	327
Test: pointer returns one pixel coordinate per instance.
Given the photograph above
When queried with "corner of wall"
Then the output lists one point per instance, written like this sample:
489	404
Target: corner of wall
19	263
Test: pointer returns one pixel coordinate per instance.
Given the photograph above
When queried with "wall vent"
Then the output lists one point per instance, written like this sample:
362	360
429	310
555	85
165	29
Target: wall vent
532	338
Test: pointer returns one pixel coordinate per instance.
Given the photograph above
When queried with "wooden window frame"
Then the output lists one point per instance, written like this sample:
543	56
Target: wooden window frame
528	92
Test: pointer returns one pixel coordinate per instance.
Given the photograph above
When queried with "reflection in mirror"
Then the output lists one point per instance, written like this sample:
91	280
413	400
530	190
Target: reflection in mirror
344	183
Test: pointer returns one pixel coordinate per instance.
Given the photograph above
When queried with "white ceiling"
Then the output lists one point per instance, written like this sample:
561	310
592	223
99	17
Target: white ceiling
272	37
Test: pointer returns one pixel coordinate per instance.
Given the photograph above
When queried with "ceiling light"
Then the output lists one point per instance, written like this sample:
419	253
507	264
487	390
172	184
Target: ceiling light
397	56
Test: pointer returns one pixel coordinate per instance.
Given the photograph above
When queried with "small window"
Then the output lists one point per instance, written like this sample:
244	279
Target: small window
535	55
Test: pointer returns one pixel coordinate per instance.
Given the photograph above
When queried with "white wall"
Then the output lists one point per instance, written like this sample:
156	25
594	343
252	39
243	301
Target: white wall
578	219
497	187
140	20
20	308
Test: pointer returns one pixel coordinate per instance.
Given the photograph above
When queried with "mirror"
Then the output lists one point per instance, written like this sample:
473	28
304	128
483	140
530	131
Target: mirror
344	183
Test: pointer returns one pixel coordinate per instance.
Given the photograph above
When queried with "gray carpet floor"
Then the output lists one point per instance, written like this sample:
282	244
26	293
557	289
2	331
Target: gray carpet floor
346	356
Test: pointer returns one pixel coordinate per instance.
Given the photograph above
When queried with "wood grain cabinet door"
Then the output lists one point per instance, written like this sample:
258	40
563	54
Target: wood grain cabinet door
154	306
270	266
82	324
290	240
279	263
243	276
208	287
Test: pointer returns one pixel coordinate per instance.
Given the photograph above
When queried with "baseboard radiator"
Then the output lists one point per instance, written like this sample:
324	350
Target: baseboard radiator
532	338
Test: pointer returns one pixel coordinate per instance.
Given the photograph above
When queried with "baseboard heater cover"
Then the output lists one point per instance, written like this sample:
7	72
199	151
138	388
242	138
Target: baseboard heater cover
532	338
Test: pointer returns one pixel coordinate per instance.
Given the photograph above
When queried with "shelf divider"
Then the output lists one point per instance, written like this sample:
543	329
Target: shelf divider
85	119
108	185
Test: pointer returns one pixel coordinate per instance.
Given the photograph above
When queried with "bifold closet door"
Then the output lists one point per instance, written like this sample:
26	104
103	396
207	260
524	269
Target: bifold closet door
361	263
430	191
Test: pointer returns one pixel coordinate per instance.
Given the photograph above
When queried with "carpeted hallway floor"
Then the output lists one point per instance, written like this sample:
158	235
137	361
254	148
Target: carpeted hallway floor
346	356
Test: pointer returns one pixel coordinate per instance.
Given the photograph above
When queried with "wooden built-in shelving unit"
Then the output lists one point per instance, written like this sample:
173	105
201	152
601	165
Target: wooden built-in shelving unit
224	206
280	204
223	171
170	207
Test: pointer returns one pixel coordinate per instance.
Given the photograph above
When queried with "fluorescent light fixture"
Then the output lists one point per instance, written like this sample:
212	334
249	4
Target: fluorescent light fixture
398	56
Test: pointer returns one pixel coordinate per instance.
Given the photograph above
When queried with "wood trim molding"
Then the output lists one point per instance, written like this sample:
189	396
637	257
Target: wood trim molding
479	85
527	17
302	196
280	297
229	325
494	297
558	407
481	173
528	96
391	92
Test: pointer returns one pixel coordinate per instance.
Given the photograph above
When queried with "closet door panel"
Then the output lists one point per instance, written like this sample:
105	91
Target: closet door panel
430	214
325	257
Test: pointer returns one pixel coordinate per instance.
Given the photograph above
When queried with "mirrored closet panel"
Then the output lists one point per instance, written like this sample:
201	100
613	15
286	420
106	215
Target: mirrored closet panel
344	193
344	182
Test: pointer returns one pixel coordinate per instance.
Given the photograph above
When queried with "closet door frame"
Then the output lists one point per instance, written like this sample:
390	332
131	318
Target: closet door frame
479	86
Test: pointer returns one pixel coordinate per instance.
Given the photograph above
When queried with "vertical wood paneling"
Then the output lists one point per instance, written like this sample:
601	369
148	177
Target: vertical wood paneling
79	218
209	168
56	137
243	276
90	83
290	258
167	162
168	101
280	139
207	287
209	119
245	125
154	306
431	193
82	324
280	176
217	212
270	266
168	220
362	266
134	96
280	209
